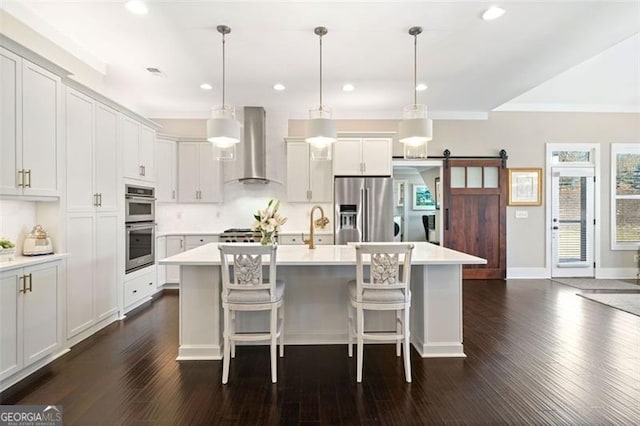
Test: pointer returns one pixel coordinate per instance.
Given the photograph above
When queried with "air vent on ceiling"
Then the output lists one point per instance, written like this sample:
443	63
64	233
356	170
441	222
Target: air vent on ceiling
155	71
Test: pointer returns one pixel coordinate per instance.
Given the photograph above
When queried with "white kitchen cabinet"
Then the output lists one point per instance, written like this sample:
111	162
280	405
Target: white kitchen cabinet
93	218
29	128
174	245
199	177
30	318
139	286
139	149
167	164
362	157
92	273
91	130
193	241
307	180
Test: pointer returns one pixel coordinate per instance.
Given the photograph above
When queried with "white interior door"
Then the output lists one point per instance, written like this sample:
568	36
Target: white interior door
572	222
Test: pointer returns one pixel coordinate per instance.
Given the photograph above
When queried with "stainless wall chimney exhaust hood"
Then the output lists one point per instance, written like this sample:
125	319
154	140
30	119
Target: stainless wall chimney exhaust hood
255	146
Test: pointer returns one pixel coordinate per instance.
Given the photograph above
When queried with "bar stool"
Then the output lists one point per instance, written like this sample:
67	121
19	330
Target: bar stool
245	289
382	289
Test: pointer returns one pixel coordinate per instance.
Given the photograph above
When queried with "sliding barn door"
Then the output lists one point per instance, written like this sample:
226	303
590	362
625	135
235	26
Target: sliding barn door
475	214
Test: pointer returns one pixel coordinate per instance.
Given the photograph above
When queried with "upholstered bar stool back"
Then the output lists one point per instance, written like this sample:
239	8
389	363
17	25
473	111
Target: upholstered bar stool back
249	284
383	286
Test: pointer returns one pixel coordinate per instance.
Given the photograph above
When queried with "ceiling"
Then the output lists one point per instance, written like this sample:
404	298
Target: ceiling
469	64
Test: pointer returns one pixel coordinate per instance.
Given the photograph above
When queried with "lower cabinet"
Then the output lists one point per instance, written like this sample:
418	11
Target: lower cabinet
30	315
296	239
139	286
174	245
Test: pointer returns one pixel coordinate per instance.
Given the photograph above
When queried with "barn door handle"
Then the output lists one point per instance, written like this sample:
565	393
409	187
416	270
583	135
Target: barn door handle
446	219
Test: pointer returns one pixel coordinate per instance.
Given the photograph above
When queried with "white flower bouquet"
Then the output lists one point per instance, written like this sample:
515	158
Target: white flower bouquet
268	222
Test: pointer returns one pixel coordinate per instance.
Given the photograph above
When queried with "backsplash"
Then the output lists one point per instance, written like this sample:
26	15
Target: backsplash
237	211
17	218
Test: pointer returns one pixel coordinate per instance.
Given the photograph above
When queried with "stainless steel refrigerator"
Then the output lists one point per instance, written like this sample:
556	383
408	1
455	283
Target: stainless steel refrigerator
363	209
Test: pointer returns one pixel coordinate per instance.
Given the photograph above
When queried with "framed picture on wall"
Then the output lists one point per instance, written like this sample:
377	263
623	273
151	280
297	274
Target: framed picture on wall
422	198
525	187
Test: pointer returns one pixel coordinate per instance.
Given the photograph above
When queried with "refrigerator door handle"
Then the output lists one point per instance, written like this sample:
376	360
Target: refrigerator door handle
368	218
362	215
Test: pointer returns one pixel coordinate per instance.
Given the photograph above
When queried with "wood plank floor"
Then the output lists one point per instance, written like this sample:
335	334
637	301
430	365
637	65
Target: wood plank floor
537	354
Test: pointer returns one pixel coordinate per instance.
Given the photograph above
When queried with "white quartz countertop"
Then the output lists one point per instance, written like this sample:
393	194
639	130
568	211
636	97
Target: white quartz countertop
300	255
24	261
190	233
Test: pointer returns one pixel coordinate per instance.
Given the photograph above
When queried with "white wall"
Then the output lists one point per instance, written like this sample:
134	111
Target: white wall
17	218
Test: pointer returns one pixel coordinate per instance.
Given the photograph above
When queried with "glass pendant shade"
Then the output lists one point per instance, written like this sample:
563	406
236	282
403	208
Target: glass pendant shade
415	131
223	130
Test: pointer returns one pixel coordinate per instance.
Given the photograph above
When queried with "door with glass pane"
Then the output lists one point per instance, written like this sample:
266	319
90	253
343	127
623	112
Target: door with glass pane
475	214
572	222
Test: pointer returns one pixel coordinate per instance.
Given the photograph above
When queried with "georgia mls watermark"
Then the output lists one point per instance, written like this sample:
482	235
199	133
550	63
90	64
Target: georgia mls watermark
30	415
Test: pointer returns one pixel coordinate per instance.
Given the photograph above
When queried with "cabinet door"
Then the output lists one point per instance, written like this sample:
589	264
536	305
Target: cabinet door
105	270
320	181
175	245
40	127
80	245
79	131
41	320
10	119
166	175
188	173
147	153
130	135
10	313
106	163
376	156
298	171
347	157
210	179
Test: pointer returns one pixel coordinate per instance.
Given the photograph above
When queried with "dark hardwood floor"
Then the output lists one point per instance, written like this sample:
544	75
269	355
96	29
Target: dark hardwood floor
537	354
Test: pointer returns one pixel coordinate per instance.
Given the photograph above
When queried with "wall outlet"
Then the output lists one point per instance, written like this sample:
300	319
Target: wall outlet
522	214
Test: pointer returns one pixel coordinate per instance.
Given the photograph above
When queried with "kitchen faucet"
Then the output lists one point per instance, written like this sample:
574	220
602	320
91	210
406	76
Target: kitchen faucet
319	223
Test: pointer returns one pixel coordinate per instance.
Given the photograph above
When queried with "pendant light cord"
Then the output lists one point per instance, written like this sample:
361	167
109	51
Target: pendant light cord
415	69
223	70
321	73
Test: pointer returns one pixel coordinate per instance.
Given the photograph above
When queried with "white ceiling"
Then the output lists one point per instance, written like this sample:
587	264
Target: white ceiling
470	65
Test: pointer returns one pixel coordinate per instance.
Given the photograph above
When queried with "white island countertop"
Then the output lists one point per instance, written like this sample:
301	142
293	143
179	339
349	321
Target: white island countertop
423	254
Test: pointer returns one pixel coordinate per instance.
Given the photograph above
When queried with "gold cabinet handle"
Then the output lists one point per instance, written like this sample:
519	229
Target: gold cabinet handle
173	194
21	178
21	281
100	199
30	282
28	173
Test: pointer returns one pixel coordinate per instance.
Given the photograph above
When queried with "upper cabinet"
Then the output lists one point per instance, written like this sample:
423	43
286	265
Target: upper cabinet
29	128
307	180
139	149
91	130
362	157
166	162
199	174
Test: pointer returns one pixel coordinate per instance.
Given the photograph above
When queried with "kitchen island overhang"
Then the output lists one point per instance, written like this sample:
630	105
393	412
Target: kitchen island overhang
316	299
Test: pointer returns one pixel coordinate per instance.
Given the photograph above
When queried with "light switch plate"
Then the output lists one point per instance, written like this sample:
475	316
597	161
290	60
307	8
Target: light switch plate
522	214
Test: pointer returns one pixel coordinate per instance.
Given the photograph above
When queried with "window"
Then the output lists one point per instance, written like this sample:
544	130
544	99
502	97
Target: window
625	196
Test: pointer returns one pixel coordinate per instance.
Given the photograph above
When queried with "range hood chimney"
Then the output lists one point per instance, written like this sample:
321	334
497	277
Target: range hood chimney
255	146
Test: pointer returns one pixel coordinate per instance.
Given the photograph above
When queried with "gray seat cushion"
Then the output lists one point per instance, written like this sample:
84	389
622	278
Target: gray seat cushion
377	296
255	296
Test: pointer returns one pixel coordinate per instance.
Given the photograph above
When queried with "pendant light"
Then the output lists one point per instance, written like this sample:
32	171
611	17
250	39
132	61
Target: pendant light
222	128
321	129
416	129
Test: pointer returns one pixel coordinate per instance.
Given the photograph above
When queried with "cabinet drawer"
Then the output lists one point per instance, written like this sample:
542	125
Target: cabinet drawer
290	239
324	240
138	288
192	241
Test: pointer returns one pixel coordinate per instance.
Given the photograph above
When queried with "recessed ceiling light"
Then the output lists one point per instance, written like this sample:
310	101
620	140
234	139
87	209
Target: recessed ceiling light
494	12
348	87
421	87
206	86
279	87
136	6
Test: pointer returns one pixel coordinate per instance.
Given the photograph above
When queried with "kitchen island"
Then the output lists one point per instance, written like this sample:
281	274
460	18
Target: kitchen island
316	299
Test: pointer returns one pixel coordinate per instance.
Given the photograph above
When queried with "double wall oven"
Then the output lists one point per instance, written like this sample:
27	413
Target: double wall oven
140	227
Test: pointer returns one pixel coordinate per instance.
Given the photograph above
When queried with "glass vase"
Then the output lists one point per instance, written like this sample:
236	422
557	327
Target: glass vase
267	238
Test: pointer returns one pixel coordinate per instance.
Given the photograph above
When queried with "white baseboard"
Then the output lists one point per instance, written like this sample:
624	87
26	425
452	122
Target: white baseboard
617	273
528	273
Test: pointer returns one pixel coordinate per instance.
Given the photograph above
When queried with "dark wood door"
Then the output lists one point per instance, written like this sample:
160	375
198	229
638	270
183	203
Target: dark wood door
475	193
